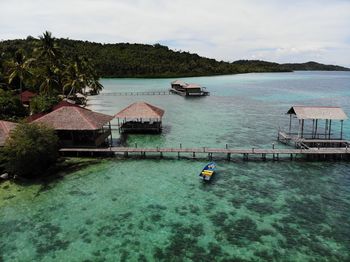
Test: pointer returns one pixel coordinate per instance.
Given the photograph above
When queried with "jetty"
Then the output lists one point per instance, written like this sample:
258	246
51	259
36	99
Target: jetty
143	93
228	153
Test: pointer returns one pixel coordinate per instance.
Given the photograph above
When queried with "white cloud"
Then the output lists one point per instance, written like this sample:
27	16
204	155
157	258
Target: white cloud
276	30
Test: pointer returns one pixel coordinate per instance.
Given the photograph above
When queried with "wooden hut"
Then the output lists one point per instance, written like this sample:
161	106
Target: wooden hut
315	125
79	127
26	97
5	129
140	117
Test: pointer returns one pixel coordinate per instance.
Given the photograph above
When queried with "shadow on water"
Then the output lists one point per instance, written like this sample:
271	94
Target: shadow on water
56	173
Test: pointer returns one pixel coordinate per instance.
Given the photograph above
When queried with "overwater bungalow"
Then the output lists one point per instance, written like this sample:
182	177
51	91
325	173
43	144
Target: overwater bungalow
314	127
5	129
140	117
79	127
185	89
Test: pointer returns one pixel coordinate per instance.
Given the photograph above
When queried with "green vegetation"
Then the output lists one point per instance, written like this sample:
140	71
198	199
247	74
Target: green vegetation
42	103
30	150
41	66
11	107
139	60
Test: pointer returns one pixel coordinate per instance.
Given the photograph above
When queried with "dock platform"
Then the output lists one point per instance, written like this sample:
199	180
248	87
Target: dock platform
275	154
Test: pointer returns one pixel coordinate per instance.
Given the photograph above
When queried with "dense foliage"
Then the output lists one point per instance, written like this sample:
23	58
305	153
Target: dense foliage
11	107
139	60
42	103
30	150
41	66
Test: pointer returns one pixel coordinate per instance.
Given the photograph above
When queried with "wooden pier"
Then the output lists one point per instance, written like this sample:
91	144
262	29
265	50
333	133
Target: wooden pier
256	153
144	93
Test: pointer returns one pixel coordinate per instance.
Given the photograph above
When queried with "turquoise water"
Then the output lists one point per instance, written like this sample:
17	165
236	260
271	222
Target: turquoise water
157	210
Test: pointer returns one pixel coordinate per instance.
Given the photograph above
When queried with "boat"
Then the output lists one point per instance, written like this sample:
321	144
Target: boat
208	171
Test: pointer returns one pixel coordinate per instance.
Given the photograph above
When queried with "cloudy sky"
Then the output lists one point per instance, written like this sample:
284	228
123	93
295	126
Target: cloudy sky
273	30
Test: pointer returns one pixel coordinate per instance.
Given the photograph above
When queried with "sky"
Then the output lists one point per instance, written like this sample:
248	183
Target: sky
229	30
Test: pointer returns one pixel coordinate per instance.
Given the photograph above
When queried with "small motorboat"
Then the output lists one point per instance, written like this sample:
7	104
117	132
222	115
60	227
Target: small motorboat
208	171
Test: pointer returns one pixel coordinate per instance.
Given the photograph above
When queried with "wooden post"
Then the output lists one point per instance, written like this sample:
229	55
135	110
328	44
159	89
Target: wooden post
330	128
290	123
110	130
326	129
341	129
313	127
316	129
228	156
302	128
194	154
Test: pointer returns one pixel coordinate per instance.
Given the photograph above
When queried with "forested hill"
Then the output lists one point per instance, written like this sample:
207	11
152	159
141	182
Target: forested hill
139	60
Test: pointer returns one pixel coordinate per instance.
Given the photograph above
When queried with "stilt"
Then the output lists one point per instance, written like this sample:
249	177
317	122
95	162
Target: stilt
229	156
341	129
194	154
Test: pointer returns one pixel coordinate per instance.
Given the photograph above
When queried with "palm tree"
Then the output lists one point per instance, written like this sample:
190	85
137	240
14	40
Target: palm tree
19	68
48	48
49	82
73	80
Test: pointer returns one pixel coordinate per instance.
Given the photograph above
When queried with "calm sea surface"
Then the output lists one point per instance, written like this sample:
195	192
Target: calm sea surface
158	210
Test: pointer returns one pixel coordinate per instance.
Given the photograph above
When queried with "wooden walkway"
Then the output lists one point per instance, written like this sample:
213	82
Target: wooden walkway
145	93
323	153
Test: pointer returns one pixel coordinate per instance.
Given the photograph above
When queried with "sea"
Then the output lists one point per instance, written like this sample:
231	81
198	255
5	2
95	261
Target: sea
153	209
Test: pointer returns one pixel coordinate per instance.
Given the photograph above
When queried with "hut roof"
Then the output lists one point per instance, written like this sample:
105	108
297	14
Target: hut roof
64	103
141	110
178	82
5	129
74	118
192	86
318	112
33	117
26	96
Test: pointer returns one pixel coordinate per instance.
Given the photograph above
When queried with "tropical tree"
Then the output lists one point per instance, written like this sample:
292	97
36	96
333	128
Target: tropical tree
49	82
11	107
30	150
19	68
48	49
73	80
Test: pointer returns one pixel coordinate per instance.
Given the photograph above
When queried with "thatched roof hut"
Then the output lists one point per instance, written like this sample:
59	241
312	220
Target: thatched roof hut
141	110
140	117
318	112
74	118
77	126
5	129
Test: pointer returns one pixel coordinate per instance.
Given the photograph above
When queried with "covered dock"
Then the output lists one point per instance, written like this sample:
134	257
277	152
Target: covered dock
314	126
140	117
79	127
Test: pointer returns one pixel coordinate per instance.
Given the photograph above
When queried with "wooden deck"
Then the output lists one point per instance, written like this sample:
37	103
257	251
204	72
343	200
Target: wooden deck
323	153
